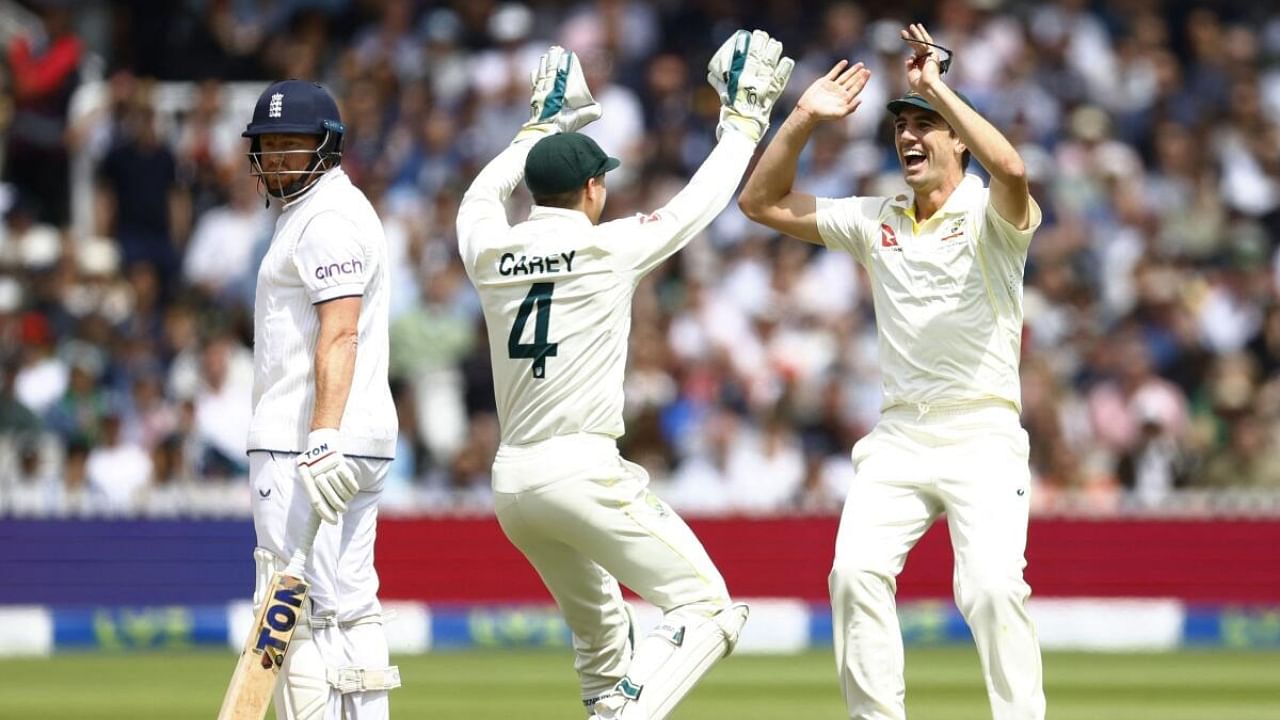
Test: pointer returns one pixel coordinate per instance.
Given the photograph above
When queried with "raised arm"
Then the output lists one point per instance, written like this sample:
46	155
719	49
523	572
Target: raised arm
664	231
769	197
749	73
484	203
1010	194
561	102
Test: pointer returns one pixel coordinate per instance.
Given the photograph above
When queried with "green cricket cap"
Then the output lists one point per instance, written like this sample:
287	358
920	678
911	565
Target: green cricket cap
563	162
897	105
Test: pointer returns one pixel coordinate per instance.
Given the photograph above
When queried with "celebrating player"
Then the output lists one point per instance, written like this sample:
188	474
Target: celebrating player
556	291
323	418
946	265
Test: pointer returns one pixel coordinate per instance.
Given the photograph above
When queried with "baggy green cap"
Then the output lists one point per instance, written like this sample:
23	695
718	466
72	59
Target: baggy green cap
563	162
897	105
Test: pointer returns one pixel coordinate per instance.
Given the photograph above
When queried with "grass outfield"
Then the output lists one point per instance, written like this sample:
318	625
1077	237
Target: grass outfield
942	684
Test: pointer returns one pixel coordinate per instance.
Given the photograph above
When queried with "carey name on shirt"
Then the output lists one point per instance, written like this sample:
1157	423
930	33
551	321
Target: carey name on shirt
511	264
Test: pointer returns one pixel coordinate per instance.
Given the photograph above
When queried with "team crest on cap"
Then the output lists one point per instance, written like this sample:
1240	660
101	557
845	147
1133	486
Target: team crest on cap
276	108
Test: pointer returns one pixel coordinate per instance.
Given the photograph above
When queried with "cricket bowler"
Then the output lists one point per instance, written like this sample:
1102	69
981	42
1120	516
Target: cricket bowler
945	263
556	291
324	427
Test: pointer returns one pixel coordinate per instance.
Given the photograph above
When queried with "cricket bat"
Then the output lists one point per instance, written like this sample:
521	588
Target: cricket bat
254	680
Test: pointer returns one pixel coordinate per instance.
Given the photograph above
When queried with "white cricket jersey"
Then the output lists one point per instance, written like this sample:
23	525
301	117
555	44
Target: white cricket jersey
556	291
328	244
947	292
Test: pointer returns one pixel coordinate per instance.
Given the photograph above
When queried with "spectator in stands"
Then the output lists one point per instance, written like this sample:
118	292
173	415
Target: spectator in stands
427	344
17	421
223	408
701	485
154	418
44	69
42	376
225	244
1134	401
766	473
1265	345
116	470
73	497
1156	462
166	495
1250	460
140	203
26	242
28	490
207	149
77	416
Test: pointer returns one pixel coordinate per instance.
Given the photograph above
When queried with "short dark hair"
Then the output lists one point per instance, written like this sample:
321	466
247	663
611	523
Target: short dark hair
566	199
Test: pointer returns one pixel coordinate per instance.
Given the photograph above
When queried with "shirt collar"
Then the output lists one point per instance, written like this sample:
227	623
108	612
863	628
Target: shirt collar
541	212
957	202
327	177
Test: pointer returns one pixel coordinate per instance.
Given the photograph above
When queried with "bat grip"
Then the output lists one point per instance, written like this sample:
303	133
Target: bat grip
298	562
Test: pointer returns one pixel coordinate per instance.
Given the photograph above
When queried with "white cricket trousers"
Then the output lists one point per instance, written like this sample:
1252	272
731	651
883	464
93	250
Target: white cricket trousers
969	461
344	584
587	521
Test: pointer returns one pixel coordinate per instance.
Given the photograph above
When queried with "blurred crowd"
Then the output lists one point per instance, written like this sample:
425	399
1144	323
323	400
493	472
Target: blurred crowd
1151	353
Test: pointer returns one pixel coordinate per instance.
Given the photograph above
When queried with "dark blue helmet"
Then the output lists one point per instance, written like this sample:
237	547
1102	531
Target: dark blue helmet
295	107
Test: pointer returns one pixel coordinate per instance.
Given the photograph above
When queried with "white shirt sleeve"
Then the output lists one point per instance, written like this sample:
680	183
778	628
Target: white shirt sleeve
1004	233
331	259
849	224
644	241
483	212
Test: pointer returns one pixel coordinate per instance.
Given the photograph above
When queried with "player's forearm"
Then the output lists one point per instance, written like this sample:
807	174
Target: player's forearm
712	186
500	177
335	366
987	143
496	181
773	177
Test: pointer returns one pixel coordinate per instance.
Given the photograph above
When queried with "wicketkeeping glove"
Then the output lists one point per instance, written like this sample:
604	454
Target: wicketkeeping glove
749	73
326	475
561	100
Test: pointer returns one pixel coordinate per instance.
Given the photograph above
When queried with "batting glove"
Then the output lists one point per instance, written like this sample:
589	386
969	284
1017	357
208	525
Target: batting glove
326	475
749	73
561	100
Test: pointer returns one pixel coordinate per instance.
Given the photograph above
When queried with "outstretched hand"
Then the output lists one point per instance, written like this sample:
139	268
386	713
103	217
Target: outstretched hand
749	73
561	100
924	67
835	95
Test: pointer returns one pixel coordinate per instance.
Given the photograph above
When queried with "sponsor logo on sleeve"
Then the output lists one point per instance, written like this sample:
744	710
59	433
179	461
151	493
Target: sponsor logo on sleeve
335	271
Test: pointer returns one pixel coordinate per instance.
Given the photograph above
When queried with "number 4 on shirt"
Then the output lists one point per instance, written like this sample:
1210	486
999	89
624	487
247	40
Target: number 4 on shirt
539	350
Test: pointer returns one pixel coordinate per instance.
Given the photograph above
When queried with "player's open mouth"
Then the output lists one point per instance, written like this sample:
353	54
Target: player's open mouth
912	159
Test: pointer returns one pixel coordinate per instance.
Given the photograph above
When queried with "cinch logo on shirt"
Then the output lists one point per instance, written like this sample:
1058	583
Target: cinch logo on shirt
887	236
350	267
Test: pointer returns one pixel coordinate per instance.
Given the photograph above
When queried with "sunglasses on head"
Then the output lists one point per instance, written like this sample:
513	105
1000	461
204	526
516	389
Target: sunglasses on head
944	64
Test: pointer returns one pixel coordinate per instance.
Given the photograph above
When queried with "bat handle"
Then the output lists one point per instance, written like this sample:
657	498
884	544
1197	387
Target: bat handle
298	563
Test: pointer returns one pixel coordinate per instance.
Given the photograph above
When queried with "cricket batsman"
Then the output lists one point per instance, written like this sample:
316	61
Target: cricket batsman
324	427
946	267
556	291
